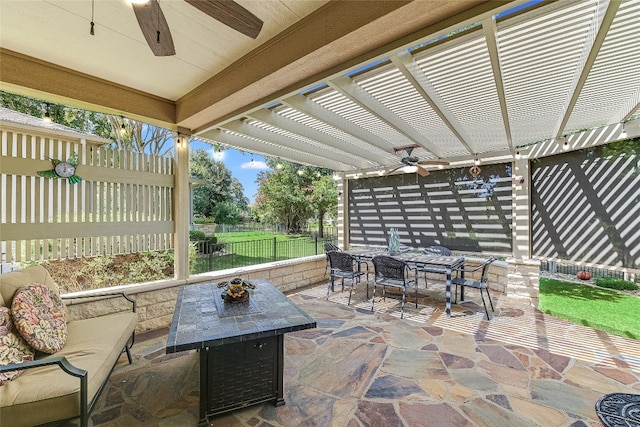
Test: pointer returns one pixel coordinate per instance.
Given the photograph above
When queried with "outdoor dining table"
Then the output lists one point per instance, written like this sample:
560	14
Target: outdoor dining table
446	263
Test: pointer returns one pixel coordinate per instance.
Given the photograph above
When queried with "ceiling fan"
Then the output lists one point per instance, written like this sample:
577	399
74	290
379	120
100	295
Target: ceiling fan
156	30
410	162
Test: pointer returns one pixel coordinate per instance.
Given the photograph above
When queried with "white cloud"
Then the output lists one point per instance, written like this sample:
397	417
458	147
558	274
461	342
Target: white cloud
254	165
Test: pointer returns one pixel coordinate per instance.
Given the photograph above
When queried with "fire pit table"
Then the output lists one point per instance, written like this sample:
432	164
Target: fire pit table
241	345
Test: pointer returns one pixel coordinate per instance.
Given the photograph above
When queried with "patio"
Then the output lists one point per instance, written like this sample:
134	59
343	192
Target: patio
327	86
523	368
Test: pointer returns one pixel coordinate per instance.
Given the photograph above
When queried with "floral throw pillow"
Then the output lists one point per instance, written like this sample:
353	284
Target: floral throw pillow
13	348
39	316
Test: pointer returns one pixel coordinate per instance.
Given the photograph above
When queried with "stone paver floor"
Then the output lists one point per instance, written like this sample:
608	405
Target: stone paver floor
357	368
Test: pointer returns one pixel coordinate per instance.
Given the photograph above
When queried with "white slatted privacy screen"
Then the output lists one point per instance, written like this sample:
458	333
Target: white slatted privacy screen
123	203
586	207
448	207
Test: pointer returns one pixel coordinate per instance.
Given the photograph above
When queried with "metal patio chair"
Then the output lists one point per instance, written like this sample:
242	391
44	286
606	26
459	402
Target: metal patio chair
433	250
328	247
476	284
389	271
345	266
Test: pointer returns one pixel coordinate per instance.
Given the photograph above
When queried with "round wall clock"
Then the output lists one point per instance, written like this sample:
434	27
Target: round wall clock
63	169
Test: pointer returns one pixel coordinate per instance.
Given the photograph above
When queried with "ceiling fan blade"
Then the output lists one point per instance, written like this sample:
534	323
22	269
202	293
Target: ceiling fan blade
154	27
394	169
231	14
423	172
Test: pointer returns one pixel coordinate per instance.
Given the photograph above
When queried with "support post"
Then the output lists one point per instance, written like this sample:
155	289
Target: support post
181	209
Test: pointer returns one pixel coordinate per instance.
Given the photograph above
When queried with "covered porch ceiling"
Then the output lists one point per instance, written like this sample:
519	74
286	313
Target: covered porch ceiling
342	84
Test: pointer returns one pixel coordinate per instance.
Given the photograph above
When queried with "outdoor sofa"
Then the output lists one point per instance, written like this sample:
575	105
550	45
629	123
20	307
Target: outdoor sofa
65	384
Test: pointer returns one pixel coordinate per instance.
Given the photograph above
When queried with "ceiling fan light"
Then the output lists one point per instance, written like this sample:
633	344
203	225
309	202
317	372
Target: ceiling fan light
409	169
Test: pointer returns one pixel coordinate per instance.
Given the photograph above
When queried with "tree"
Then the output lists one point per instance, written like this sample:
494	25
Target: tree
287	195
324	199
214	185
126	134
132	135
82	120
627	147
227	213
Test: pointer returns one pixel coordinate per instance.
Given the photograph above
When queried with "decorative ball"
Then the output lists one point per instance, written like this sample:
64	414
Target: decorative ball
583	275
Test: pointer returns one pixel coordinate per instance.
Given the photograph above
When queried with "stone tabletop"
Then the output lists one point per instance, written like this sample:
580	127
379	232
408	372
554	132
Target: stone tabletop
199	322
412	257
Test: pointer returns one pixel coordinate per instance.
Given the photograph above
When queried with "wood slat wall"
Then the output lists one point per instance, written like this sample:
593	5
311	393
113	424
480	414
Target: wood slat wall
123	204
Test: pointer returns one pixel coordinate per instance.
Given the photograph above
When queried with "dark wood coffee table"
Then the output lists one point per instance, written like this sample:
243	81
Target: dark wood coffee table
241	345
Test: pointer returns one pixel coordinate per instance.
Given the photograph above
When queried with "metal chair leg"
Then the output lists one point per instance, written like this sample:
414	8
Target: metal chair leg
485	305
330	286
128	351
490	302
373	300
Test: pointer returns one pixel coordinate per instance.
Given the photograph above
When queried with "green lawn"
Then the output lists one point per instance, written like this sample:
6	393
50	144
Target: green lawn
256	247
242	236
591	306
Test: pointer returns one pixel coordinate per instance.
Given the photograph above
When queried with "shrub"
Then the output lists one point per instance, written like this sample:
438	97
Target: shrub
613	283
209	245
203	220
79	274
195	235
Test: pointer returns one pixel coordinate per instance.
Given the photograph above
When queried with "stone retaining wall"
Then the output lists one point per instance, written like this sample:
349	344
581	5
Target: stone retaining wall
156	301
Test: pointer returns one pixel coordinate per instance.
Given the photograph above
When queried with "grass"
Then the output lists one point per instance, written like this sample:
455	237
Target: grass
257	247
243	236
597	308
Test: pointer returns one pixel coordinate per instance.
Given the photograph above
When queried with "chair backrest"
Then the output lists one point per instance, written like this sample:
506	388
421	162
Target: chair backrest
331	247
387	267
341	261
485	269
437	250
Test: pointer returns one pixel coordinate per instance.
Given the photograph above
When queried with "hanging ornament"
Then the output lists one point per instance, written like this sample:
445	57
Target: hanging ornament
63	169
474	170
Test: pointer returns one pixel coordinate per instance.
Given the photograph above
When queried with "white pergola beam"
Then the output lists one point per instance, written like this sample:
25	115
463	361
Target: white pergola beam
271	150
359	96
289	125
318	112
626	112
490	30
588	58
256	132
411	71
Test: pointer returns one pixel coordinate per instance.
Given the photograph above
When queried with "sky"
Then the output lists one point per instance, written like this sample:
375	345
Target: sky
239	163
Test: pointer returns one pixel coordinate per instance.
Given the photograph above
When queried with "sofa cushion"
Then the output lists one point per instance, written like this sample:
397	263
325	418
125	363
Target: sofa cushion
47	393
13	348
39	316
14	280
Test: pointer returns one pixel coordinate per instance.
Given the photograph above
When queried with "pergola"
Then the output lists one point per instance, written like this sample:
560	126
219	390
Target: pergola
345	84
